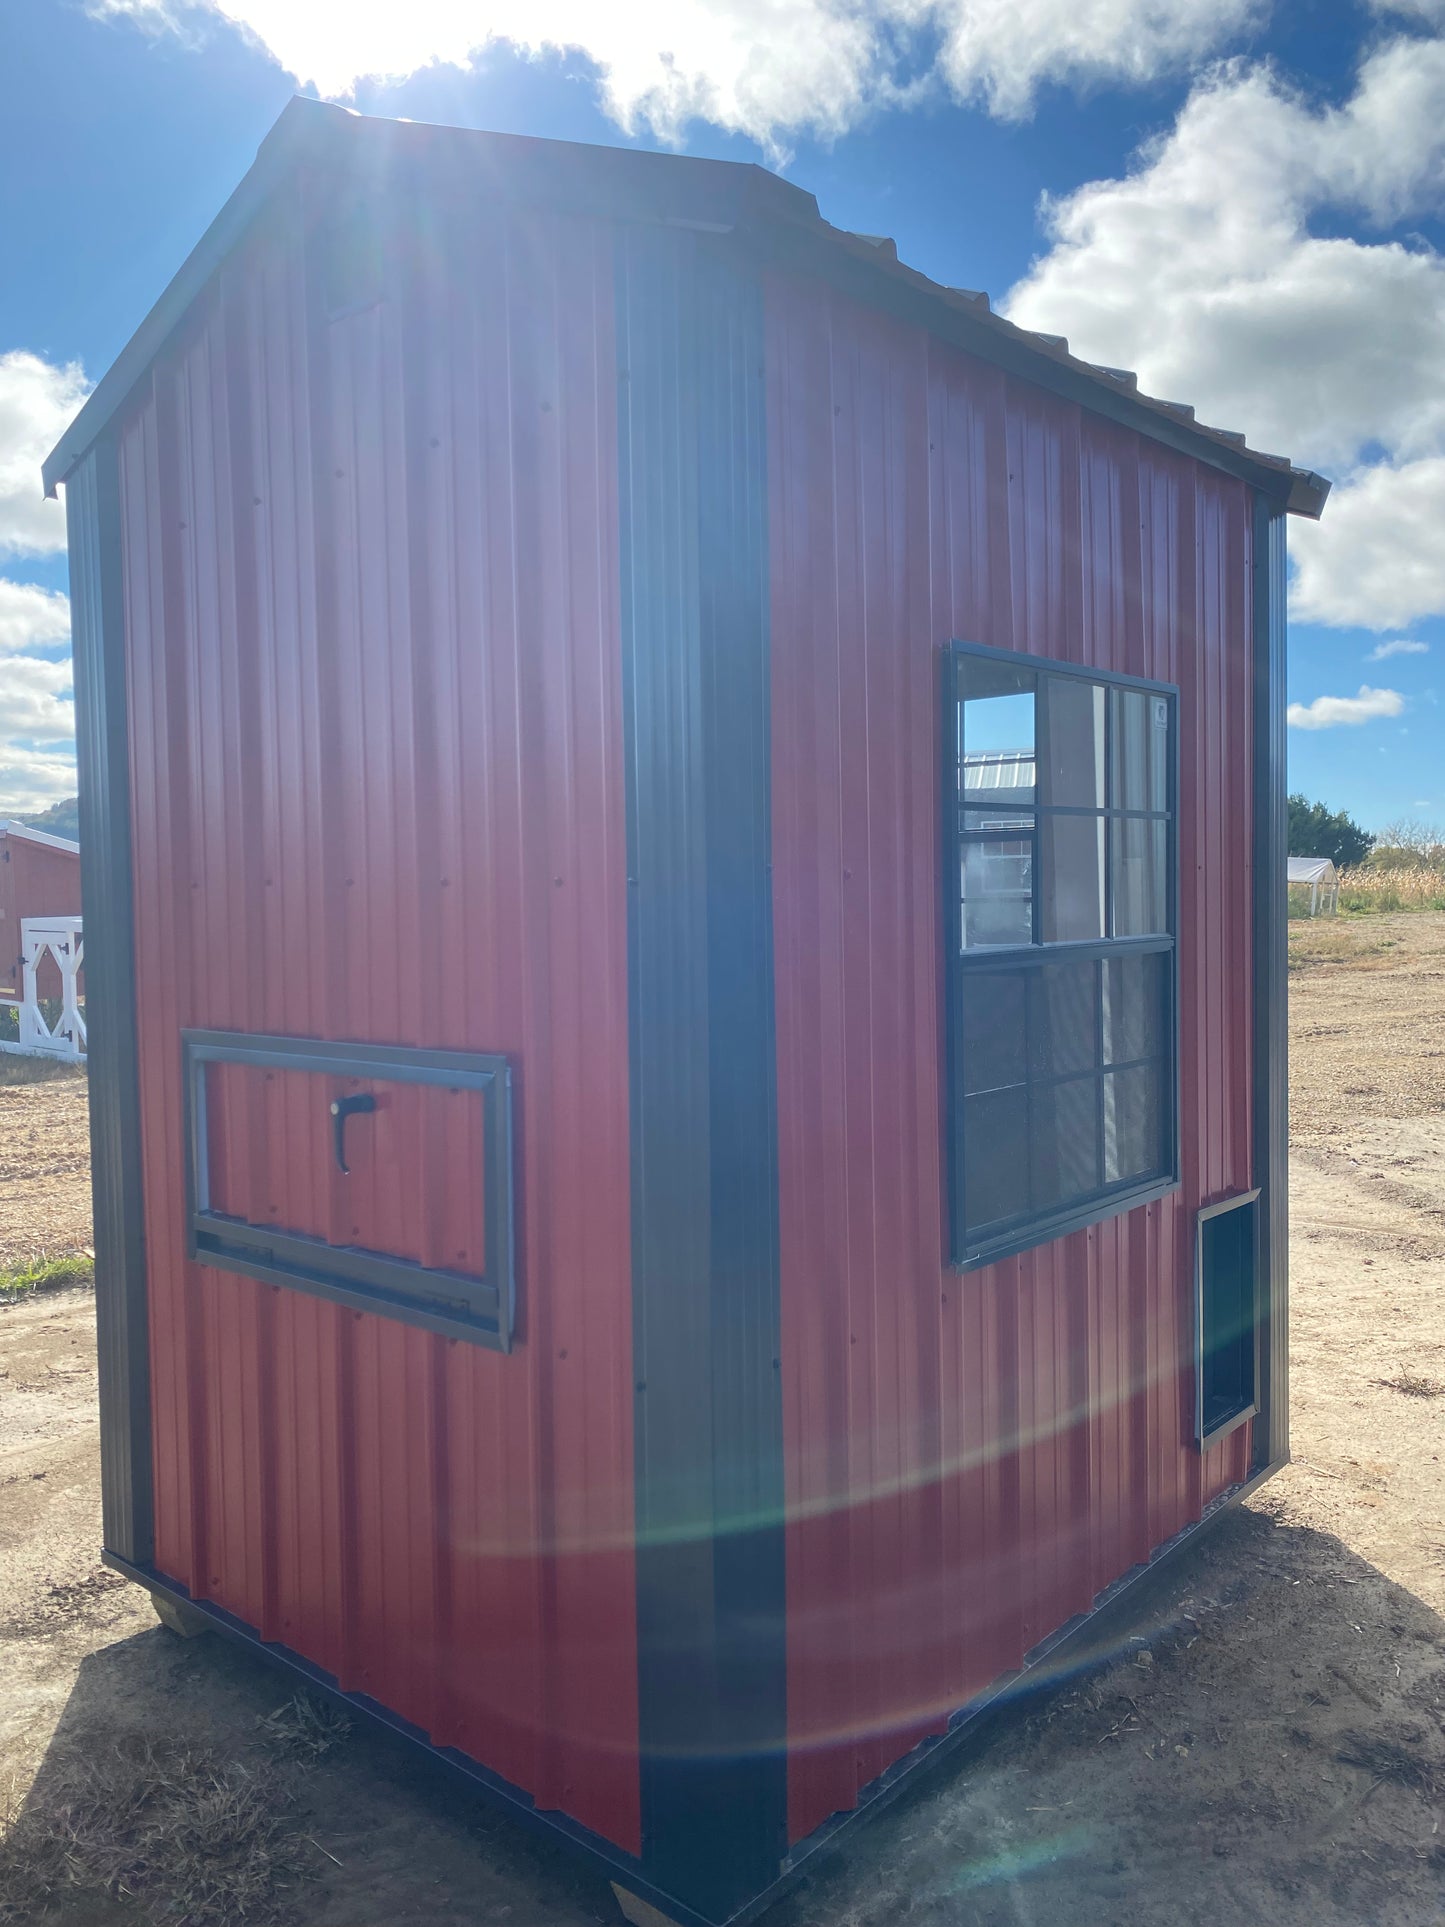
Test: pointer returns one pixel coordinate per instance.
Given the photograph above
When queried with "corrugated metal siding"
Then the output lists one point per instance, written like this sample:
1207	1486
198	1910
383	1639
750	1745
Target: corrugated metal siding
970	1459
371	599
416	1163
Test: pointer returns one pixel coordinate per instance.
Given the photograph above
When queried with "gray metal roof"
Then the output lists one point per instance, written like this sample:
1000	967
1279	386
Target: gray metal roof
780	221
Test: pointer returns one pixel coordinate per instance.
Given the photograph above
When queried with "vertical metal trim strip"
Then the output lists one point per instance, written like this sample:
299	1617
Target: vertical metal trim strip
1271	965
708	1433
102	744
747	1417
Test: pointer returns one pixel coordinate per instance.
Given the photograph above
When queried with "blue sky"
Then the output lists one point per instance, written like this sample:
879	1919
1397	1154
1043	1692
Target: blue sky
1246	203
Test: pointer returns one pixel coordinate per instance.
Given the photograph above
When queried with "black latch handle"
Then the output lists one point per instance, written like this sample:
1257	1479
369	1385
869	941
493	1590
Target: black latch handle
341	1109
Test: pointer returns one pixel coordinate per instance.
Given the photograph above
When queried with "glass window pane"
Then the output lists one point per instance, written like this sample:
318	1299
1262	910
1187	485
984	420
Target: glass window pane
1002	816
1071	852
992	1014
996	881
1135	1006
1139	751
1071	742
1140	877
1133	1123
1064	1143
1063	838
996	731
1062	1019
995	1157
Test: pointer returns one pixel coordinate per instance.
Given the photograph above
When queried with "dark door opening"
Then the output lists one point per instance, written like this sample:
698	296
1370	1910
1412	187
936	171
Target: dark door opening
1227	1315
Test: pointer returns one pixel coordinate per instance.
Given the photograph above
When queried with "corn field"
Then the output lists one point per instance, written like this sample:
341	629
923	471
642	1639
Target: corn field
1416	887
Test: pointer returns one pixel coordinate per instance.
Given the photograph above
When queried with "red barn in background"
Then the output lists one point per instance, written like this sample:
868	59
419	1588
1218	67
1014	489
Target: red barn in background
39	877
684	839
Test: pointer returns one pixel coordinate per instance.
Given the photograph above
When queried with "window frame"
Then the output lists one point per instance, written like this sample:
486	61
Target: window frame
458	1304
971	1254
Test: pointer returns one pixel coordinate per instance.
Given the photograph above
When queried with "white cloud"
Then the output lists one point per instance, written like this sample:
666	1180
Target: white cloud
37	714
760	67
37	403
1376	561
1382	651
31	617
1200	270
1431	12
36	703
37	730
1000	50
1330	712
31	780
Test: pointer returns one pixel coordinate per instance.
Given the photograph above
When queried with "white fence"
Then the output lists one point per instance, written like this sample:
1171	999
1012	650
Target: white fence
62	939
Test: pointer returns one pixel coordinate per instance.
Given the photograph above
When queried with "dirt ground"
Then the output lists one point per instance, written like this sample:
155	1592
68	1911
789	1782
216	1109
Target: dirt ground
1266	1742
44	1162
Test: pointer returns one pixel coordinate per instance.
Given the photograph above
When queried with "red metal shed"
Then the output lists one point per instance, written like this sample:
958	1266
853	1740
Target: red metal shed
39	877
684	839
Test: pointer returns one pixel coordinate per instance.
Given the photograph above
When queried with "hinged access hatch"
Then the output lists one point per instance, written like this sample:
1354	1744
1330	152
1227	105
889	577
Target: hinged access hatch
376	1175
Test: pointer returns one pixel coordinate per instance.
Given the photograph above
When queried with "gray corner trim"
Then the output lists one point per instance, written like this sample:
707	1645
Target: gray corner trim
711	1592
1271	981
103	755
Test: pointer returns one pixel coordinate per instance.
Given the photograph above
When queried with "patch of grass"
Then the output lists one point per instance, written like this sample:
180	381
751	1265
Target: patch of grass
197	1840
1323	940
305	1727
1395	1757
46	1274
37	1070
1412	1384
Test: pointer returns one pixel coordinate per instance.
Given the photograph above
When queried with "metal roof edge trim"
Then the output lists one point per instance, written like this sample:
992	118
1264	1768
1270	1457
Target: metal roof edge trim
753	200
316	130
302	125
957	316
9	827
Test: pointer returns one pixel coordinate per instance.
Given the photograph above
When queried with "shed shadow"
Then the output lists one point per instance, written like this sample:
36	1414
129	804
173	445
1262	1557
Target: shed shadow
1192	1770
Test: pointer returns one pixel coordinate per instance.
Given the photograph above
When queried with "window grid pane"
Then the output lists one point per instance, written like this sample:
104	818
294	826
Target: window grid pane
1065	836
